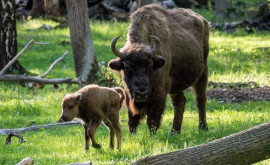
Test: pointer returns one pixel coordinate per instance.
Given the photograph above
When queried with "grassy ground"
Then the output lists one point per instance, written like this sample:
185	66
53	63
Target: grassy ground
236	57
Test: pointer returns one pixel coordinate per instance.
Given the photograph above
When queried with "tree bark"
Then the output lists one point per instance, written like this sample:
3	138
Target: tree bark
52	8
141	3
202	3
38	8
26	161
246	147
8	36
86	65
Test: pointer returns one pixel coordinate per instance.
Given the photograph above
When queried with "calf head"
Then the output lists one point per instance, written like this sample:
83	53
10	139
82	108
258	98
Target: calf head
137	64
70	107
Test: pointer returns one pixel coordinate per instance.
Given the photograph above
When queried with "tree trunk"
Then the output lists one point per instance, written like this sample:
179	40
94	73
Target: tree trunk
141	3
52	8
8	36
86	65
221	6
246	147
37	8
202	3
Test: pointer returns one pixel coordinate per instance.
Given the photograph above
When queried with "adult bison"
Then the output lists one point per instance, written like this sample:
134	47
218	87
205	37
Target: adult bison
177	61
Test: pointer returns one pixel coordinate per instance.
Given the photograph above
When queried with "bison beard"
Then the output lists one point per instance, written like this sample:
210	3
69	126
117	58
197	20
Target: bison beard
177	60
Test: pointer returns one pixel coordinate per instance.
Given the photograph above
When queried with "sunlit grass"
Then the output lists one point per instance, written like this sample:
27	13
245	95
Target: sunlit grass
236	57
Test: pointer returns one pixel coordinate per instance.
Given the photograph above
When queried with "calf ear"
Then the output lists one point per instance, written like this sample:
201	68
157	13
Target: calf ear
116	64
77	98
158	62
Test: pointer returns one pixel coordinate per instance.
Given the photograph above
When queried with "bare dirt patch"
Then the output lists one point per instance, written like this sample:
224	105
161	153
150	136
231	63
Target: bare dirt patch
237	92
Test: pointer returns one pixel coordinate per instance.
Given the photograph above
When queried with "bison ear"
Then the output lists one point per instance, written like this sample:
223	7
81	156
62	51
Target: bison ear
158	62
116	64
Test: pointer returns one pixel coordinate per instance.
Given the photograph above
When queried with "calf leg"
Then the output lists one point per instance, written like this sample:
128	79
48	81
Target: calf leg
200	92
87	137
92	130
178	101
108	123
114	118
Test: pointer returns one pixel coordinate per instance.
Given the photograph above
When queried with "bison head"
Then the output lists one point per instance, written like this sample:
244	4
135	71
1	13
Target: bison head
137	64
70	107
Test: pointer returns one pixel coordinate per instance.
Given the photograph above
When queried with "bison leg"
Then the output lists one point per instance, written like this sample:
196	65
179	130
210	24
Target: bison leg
154	112
117	127
200	92
178	101
92	130
87	137
133	122
108	123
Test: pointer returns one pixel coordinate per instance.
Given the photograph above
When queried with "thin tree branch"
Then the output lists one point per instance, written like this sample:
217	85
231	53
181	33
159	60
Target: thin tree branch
53	65
16	57
35	127
41	43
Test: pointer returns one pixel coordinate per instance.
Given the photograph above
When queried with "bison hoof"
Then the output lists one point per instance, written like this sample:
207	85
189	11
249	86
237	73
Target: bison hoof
173	131
86	148
111	146
97	146
132	130
203	127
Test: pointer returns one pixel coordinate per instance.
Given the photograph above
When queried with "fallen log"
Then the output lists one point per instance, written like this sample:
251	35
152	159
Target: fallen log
82	163
246	147
26	161
36	127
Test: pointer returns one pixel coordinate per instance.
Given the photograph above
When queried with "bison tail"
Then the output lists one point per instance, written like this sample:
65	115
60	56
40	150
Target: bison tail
121	93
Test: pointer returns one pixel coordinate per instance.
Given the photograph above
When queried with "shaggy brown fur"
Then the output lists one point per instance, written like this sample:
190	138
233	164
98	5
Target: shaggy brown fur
184	48
92	105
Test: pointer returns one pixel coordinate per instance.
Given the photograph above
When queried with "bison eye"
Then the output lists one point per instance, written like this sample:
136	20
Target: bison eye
70	107
127	69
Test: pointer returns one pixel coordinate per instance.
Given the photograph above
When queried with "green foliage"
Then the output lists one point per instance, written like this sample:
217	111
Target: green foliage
236	57
107	78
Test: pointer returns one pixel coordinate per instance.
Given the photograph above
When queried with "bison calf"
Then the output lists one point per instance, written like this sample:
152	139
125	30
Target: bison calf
92	105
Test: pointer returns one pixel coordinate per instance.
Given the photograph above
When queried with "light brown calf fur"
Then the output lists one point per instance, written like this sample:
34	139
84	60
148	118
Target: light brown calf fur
92	105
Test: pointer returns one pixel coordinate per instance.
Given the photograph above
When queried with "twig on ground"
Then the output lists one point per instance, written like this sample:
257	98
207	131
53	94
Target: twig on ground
10	134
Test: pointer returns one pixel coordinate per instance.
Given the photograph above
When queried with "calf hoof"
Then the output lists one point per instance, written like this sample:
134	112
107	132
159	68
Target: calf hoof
86	148
97	146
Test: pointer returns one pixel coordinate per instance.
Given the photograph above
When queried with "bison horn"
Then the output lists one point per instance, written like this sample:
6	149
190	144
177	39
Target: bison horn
114	50
157	41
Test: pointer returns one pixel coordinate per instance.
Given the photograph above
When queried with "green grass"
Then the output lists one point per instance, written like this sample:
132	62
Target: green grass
235	57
